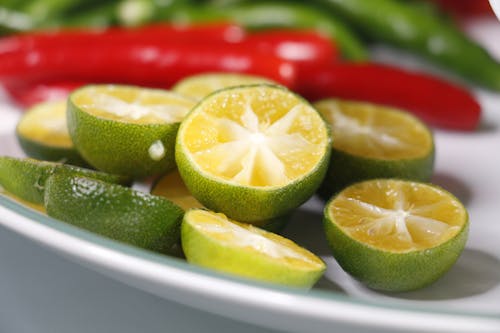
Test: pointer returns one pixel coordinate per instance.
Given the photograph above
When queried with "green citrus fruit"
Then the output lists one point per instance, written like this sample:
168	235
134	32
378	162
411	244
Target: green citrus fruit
372	141
114	211
43	134
126	130
253	152
395	235
25	177
201	85
213	241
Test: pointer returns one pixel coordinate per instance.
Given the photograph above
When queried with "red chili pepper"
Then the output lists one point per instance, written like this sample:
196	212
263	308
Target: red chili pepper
139	63
466	8
159	55
307	49
438	102
206	33
28	95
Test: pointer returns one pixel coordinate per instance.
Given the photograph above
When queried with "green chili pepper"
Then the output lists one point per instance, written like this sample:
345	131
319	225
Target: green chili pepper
12	21
138	12
96	16
42	11
265	15
396	23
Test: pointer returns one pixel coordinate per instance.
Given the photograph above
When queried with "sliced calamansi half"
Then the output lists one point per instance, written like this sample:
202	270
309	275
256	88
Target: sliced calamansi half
396	235
172	187
126	130
213	241
253	152
43	134
373	141
201	85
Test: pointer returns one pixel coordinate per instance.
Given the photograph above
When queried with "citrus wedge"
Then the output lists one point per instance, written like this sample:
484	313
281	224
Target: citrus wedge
25	177
253	152
126	130
373	141
213	241
114	211
43	134
201	85
396	235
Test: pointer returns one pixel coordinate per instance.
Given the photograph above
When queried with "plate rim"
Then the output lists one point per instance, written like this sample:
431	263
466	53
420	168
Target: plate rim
176	273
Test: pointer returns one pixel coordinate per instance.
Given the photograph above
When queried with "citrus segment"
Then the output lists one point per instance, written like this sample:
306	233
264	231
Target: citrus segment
126	130
394	234
252	144
43	133
373	141
212	240
200	86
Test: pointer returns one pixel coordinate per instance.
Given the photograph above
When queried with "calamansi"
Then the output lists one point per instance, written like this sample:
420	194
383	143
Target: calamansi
212	240
395	235
114	211
126	130
43	134
253	152
201	85
374	141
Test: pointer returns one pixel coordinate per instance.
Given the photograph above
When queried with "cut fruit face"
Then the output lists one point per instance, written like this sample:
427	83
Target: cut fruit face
200	86
398	216
132	104
172	187
261	136
373	131
45	123
232	234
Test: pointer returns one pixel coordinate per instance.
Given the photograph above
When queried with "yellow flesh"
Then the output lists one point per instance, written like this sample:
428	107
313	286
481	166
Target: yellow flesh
46	124
173	188
132	104
199	86
255	136
239	235
375	131
398	216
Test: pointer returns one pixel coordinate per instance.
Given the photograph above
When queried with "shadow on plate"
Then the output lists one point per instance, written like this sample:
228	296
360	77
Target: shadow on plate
454	185
486	127
474	273
306	228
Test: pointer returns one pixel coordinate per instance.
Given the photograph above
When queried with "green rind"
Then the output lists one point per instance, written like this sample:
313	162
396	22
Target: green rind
40	151
118	147
114	211
205	252
346	169
26	177
392	271
245	203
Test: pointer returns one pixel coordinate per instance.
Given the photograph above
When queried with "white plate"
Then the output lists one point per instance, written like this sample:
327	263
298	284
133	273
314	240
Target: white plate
467	299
